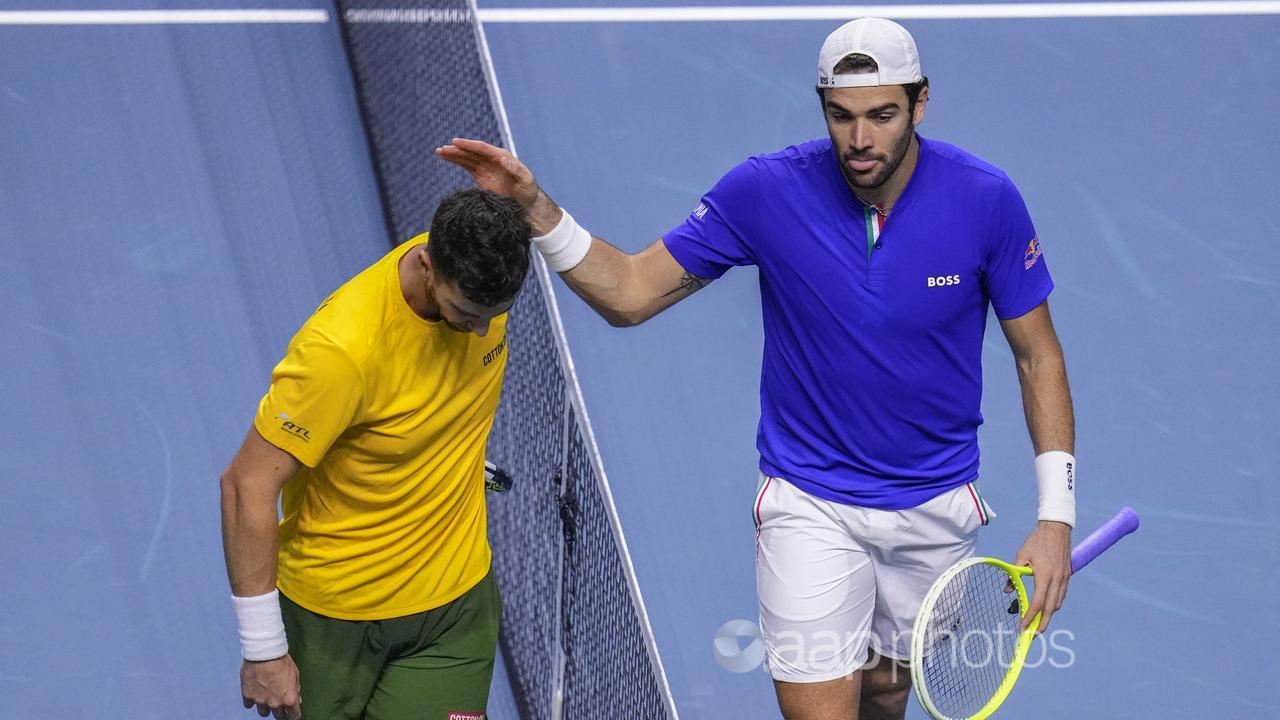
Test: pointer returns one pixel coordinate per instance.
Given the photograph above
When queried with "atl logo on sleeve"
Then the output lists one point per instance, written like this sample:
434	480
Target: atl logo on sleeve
294	429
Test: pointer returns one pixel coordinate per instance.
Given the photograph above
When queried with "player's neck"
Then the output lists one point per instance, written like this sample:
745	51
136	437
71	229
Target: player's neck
414	286
884	197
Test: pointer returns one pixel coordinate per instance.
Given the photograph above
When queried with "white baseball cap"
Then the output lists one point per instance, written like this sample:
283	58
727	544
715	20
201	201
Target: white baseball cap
884	41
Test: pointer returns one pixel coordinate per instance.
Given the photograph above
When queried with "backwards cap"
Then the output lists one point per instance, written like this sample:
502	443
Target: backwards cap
884	41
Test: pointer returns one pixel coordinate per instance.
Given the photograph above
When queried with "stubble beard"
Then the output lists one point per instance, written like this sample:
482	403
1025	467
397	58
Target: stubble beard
889	165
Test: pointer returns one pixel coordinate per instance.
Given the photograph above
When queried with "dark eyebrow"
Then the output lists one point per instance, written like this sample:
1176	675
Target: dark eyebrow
873	111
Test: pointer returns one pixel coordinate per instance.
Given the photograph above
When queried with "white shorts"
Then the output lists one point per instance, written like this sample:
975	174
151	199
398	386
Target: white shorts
834	580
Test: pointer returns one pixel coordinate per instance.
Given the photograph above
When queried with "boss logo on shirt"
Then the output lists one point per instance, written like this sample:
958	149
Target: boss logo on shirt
944	280
294	429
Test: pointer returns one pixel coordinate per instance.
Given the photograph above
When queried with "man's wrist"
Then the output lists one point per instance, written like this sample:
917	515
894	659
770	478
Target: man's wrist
544	214
1056	481
565	245
261	627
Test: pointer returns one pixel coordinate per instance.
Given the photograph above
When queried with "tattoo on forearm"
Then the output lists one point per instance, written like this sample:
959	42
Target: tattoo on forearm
689	284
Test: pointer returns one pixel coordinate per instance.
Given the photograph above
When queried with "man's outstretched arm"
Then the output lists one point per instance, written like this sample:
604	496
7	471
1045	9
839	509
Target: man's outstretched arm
624	289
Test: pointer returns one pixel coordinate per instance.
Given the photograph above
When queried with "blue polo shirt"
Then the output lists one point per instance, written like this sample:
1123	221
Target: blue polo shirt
872	377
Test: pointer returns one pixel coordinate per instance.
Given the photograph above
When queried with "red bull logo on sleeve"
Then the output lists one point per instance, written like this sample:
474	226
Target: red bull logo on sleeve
1032	254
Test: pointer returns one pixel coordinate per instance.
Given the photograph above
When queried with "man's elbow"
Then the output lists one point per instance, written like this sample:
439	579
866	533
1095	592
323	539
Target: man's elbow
627	314
238	489
631	316
626	319
245	500
1048	360
229	487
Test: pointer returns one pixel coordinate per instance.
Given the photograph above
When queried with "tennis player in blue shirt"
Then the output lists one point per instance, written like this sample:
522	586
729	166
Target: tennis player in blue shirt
879	252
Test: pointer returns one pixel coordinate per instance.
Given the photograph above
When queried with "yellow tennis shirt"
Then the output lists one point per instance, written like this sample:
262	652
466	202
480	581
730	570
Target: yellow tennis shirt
389	414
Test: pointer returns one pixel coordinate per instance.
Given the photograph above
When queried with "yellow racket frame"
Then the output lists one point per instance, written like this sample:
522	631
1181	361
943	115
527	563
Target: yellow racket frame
1015	574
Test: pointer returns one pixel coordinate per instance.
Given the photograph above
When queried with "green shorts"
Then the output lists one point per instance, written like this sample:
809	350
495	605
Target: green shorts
433	665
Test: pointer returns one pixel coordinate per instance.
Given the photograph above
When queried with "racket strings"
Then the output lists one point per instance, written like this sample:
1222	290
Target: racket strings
970	640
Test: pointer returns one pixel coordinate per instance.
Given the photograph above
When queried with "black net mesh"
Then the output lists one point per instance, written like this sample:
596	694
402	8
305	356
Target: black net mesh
421	79
609	674
970	639
420	84
524	526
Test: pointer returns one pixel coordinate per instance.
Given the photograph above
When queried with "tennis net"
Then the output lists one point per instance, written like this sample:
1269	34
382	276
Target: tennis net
575	637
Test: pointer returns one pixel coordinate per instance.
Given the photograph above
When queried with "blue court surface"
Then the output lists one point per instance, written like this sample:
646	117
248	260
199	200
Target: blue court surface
175	199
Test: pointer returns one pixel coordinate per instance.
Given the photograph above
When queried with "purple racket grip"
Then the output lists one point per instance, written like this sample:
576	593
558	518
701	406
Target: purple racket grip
1124	522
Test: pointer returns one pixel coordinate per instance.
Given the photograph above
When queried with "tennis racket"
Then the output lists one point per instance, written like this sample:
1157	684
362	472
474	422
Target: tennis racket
496	479
966	649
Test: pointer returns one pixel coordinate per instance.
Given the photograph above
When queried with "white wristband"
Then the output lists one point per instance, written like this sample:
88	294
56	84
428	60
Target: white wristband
261	626
566	245
1056	476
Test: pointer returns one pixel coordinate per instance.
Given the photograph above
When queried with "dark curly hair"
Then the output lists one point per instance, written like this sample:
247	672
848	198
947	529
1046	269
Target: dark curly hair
480	241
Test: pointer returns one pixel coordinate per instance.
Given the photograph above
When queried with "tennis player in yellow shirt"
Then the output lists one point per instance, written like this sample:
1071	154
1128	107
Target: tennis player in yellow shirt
373	598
